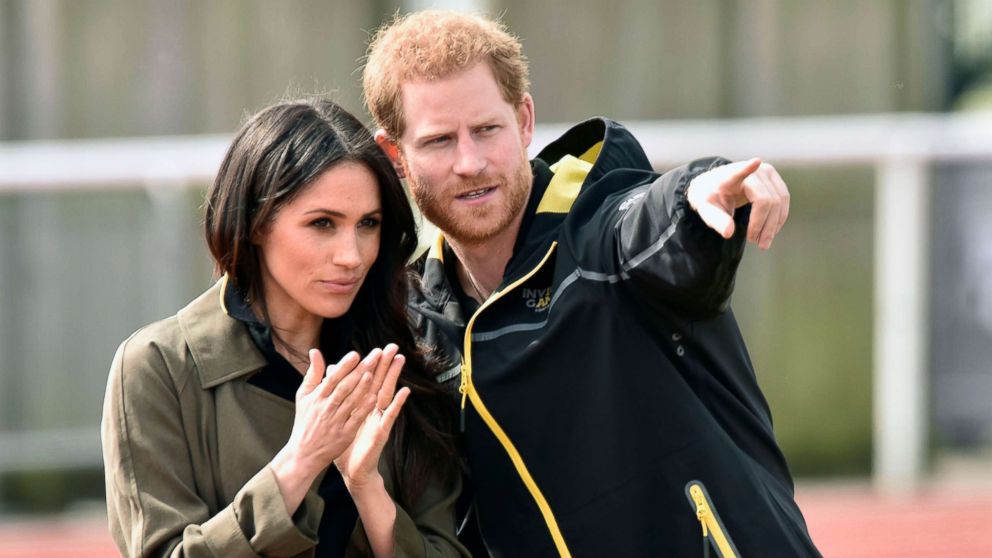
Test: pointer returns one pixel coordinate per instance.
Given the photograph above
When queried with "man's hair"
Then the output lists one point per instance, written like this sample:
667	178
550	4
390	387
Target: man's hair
435	44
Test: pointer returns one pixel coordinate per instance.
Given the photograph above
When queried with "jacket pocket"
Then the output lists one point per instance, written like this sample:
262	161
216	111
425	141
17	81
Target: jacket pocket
714	533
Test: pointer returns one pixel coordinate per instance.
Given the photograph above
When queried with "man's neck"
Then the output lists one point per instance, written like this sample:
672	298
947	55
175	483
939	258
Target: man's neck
481	265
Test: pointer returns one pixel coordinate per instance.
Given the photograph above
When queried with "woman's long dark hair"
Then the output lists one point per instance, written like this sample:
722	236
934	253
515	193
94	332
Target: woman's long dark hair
276	155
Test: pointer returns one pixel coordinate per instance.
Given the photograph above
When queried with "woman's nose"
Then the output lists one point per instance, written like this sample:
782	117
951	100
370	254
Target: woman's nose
346	251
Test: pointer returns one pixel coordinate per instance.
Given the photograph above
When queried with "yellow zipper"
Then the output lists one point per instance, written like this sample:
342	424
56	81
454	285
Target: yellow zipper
468	391
713	531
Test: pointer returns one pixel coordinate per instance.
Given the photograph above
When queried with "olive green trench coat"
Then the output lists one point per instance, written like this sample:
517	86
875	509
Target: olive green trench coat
187	442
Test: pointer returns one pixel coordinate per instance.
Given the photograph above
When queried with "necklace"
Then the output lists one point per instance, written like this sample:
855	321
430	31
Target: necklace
475	286
298	359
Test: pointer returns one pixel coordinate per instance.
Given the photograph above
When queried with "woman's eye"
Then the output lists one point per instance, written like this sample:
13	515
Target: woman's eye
322	223
369	223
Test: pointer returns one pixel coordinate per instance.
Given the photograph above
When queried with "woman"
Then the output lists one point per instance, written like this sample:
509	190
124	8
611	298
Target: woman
221	423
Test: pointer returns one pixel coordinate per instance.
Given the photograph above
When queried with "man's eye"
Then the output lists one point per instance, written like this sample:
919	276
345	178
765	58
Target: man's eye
440	140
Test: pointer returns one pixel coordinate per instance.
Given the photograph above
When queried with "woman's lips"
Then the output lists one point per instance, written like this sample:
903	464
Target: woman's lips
340	286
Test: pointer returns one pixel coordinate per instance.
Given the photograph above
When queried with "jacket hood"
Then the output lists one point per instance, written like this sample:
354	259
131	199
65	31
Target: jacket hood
609	143
579	159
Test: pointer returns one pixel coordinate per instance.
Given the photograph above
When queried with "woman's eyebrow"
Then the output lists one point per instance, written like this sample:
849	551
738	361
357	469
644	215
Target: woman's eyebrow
324	211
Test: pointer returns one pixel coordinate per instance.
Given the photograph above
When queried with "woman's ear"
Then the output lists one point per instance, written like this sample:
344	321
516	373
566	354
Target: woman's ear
258	235
392	150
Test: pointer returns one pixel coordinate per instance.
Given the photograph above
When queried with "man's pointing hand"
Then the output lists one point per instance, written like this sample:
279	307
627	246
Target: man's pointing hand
715	194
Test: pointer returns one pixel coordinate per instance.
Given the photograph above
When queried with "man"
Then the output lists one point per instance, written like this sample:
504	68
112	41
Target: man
608	402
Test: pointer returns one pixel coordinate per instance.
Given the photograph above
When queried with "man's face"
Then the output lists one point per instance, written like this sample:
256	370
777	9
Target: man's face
464	153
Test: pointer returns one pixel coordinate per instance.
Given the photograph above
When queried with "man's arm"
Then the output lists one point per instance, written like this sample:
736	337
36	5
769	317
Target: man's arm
679	240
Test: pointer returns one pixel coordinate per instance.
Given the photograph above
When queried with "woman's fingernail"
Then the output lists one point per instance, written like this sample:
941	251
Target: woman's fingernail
372	356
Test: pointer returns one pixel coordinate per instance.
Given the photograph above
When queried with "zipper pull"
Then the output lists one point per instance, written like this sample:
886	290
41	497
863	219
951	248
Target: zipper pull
462	389
702	508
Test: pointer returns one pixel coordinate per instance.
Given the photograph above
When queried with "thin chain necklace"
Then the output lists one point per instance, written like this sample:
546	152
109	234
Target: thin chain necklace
295	357
474	285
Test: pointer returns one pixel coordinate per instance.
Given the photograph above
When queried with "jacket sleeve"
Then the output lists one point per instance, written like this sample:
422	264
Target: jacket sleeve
669	253
153	503
426	530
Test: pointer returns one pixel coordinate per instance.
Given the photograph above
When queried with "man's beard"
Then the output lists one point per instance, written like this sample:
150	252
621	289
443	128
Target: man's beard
475	225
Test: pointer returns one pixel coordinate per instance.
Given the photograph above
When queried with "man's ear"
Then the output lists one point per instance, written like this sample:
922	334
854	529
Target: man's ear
392	151
525	118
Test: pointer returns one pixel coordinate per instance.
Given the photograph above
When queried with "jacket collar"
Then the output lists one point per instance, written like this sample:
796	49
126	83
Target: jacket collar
220	345
579	158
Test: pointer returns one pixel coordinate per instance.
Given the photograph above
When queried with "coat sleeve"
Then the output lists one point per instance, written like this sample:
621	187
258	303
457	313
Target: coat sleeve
426	530
667	251
154	505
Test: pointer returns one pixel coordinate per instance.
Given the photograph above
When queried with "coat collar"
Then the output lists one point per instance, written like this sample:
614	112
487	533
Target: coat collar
220	345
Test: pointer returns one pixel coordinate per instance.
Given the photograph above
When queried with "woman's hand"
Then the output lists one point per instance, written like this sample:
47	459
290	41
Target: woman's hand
358	464
331	405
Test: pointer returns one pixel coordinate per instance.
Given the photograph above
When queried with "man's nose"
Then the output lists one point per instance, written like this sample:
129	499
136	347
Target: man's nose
470	161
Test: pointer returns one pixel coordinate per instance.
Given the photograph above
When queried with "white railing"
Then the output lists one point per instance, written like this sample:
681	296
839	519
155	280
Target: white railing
900	147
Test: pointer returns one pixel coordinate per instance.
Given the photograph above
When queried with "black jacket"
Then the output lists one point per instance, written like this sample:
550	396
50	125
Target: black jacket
609	398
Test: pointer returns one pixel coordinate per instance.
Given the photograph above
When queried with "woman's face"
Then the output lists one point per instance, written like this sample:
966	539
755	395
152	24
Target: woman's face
317	250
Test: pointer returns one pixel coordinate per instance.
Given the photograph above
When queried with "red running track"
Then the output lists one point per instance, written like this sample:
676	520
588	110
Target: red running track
845	521
852	522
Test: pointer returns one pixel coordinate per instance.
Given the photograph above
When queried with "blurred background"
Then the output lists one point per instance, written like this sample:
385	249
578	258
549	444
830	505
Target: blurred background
869	321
